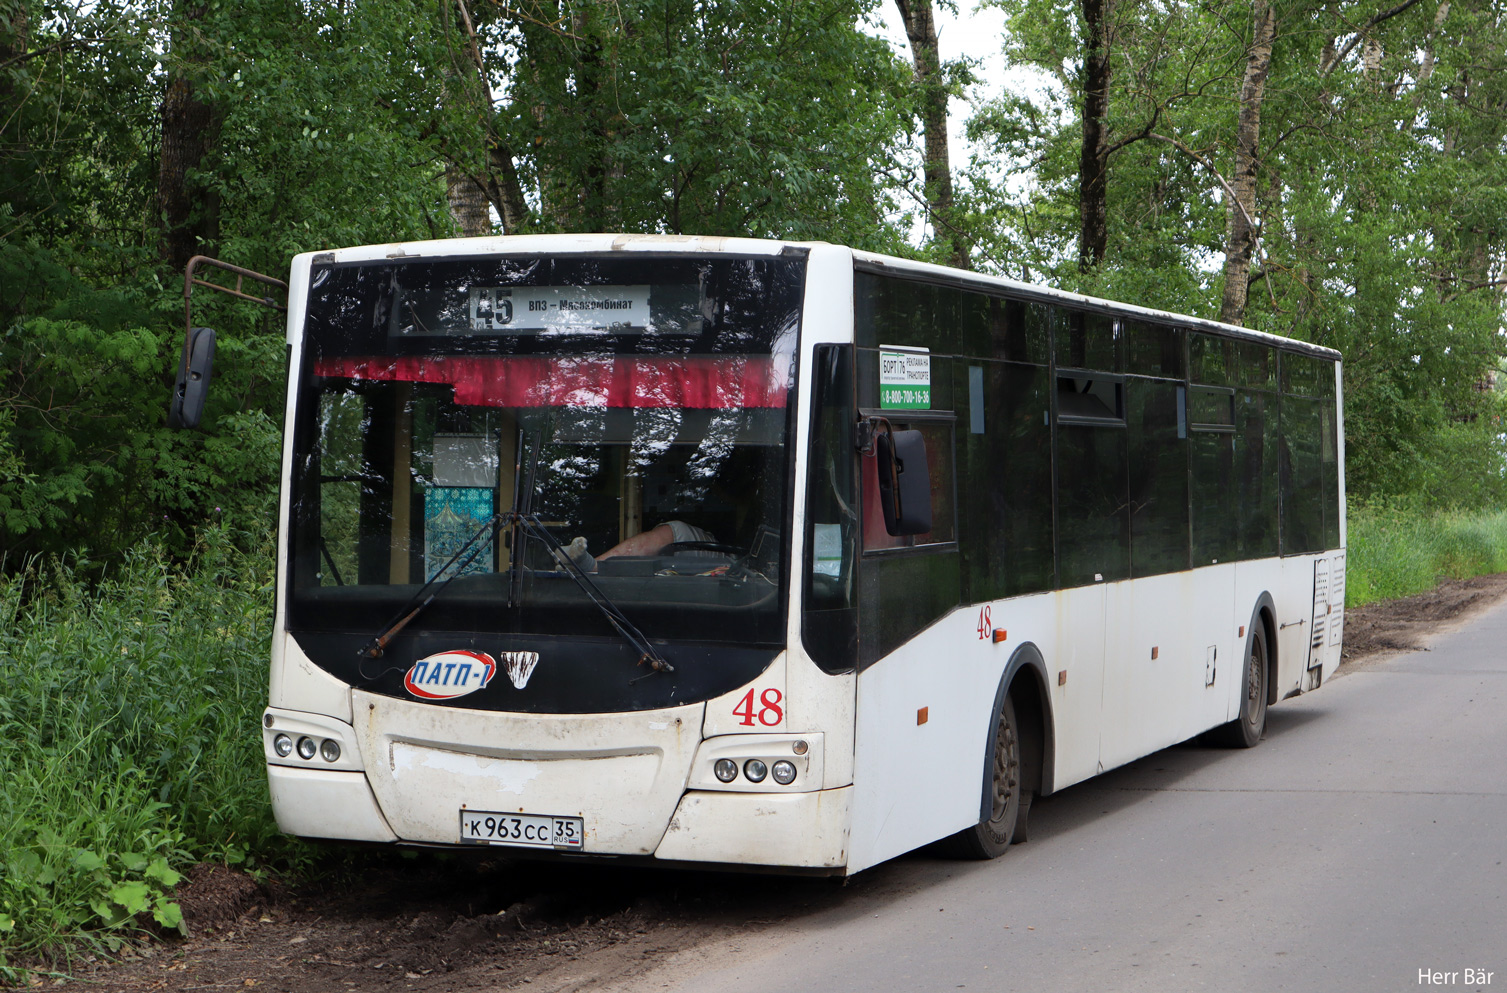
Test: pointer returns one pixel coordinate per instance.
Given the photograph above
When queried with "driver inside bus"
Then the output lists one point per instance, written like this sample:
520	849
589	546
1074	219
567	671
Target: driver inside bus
650	542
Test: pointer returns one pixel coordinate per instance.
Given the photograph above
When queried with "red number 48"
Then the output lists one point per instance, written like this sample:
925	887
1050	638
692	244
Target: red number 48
768	713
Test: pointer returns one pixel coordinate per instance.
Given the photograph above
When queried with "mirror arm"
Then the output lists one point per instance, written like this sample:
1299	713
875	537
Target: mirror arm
867	433
192	382
241	275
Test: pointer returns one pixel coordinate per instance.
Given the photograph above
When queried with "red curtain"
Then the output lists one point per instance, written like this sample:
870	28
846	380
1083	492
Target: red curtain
696	382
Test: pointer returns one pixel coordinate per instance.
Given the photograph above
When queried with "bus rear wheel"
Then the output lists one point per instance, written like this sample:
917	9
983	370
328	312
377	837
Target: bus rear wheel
1245	731
992	836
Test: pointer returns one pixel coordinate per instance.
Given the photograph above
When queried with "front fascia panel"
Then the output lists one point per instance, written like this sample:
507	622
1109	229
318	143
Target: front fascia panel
622	773
298	684
319	803
791	829
571	675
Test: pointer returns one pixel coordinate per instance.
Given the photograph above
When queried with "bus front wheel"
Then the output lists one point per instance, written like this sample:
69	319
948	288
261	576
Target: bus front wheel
993	834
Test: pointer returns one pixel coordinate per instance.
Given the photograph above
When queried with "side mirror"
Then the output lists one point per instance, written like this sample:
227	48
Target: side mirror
904	482
192	386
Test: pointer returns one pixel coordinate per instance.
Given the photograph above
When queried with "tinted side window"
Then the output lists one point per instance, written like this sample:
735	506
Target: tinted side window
1306	375
1087	340
1212	427
901	594
1302	476
908	581
1093	520
1008	547
1213	501
1211	360
1156	430
889	311
1256	445
1331	456
1019	332
1258	365
1154	350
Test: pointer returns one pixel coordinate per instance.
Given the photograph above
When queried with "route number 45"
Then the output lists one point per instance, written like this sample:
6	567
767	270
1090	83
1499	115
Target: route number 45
766	711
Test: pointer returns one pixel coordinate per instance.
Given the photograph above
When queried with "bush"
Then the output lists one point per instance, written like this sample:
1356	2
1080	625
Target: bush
131	746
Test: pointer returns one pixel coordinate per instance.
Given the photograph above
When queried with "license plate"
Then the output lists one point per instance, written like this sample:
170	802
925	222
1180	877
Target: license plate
487	827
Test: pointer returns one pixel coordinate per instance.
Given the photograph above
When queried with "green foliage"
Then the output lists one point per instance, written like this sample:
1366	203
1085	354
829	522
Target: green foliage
129	732
1380	199
333	124
319	118
753	118
1396	549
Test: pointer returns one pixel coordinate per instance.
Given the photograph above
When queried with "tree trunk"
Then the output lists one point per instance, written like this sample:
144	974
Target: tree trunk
591	71
505	190
188	210
499	180
469	205
1241	236
921	29
1426	69
1093	164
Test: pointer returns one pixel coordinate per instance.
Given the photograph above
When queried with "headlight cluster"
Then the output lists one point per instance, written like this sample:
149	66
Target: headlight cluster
326	748
755	771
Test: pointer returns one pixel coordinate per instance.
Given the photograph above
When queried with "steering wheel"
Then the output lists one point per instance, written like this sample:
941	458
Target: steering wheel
676	547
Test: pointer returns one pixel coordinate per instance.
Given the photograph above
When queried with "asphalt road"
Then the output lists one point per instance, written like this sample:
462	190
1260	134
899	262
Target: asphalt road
1361	846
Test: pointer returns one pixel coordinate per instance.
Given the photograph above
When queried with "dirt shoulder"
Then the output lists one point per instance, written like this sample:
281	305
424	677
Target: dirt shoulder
424	922
1382	629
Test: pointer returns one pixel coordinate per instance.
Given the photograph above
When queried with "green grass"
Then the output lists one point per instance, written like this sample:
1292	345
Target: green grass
128	741
1396	551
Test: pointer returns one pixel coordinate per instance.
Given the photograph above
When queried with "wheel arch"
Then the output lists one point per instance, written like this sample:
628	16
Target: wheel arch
1025	680
1265	614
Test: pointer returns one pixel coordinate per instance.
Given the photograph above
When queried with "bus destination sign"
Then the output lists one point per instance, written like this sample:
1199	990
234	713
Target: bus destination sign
544	308
904	377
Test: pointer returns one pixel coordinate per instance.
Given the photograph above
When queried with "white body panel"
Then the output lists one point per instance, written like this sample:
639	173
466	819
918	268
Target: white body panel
318	803
623	773
1111	701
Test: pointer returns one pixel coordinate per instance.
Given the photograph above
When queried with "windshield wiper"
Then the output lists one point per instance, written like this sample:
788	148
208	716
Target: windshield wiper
374	649
531	524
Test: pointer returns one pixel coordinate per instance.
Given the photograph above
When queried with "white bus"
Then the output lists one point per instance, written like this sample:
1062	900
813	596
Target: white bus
734	552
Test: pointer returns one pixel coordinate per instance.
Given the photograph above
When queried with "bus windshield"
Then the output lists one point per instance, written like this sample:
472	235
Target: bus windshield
637	408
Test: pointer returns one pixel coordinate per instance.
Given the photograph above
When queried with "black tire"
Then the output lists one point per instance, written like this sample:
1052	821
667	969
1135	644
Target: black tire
1245	731
991	837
